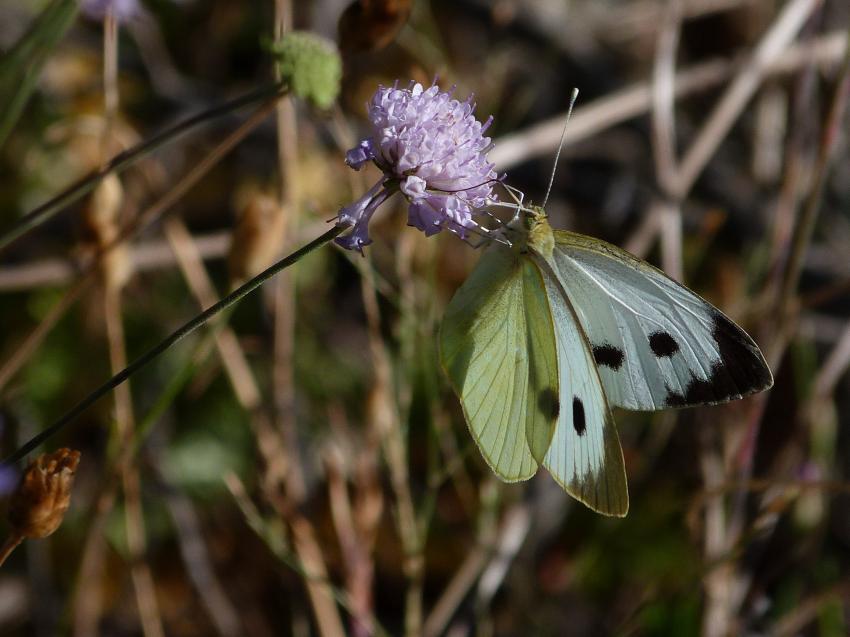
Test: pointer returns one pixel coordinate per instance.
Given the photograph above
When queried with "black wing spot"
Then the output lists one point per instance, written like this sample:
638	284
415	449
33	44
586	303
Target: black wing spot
662	344
740	371
608	355
548	403
578	416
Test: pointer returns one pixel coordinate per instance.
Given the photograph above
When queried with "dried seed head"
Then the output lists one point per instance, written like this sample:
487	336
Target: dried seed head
372	26
104	208
102	214
37	507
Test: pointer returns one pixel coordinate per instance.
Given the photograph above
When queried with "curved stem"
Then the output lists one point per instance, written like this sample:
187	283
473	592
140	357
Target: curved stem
122	160
175	336
10	545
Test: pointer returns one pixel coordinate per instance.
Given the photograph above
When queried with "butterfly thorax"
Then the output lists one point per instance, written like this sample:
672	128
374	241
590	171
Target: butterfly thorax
531	230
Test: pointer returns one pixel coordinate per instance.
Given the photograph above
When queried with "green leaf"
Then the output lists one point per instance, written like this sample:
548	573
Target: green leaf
21	66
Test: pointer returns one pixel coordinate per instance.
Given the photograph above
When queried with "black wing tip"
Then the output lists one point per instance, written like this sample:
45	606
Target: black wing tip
740	372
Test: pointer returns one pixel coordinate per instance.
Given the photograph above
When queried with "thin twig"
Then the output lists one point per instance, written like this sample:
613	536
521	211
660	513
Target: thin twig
630	102
186	329
30	344
125	159
231	354
196	558
829	138
145	256
87	603
140	572
807	610
12	542
386	417
743	86
309	564
133	513
664	95
304	535
90	269
664	141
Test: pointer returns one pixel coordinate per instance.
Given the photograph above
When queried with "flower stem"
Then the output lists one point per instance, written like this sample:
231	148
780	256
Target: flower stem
81	187
189	327
10	545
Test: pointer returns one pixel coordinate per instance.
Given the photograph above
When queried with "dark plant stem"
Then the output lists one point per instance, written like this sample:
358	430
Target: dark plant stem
829	140
84	185
189	327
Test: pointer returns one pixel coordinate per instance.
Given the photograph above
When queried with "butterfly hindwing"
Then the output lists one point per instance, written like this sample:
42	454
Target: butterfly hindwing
497	346
584	456
657	344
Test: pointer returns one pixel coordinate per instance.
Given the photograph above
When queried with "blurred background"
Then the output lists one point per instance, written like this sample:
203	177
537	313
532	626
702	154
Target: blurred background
302	467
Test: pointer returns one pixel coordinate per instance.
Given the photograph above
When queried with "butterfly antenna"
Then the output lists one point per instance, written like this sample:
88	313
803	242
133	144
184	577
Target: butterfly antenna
573	97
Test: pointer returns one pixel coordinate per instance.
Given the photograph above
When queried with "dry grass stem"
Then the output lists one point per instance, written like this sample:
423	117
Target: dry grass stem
133	513
31	343
664	140
715	141
232	357
199	568
356	527
311	565
730	105
145	256
664	95
88	598
384	415
628	103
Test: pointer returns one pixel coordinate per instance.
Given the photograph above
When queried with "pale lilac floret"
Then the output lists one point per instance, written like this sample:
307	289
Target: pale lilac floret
432	149
123	10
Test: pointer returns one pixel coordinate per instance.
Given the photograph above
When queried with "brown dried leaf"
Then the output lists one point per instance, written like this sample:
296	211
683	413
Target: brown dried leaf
371	25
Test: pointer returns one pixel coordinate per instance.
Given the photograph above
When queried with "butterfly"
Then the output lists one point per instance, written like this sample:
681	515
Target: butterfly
552	329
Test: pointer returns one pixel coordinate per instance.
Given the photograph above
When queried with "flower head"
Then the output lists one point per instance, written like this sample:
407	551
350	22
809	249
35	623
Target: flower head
431	148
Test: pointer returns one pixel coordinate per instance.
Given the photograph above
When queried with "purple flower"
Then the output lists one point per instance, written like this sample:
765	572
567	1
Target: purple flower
9	479
431	148
123	10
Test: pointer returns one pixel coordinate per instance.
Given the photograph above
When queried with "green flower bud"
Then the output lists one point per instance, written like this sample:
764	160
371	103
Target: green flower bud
310	65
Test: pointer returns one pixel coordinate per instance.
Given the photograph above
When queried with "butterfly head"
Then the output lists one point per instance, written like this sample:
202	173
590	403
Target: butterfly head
530	229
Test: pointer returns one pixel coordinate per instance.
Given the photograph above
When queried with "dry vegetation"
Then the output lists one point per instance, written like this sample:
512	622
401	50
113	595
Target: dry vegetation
300	466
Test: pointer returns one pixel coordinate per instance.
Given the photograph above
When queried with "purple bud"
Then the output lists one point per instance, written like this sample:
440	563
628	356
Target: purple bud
359	155
123	10
358	214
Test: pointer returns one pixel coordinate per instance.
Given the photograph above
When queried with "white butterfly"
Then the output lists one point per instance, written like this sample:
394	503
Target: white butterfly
547	334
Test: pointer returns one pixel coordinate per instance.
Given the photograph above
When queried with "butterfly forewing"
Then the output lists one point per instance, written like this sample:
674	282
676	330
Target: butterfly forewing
584	456
497	346
657	344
